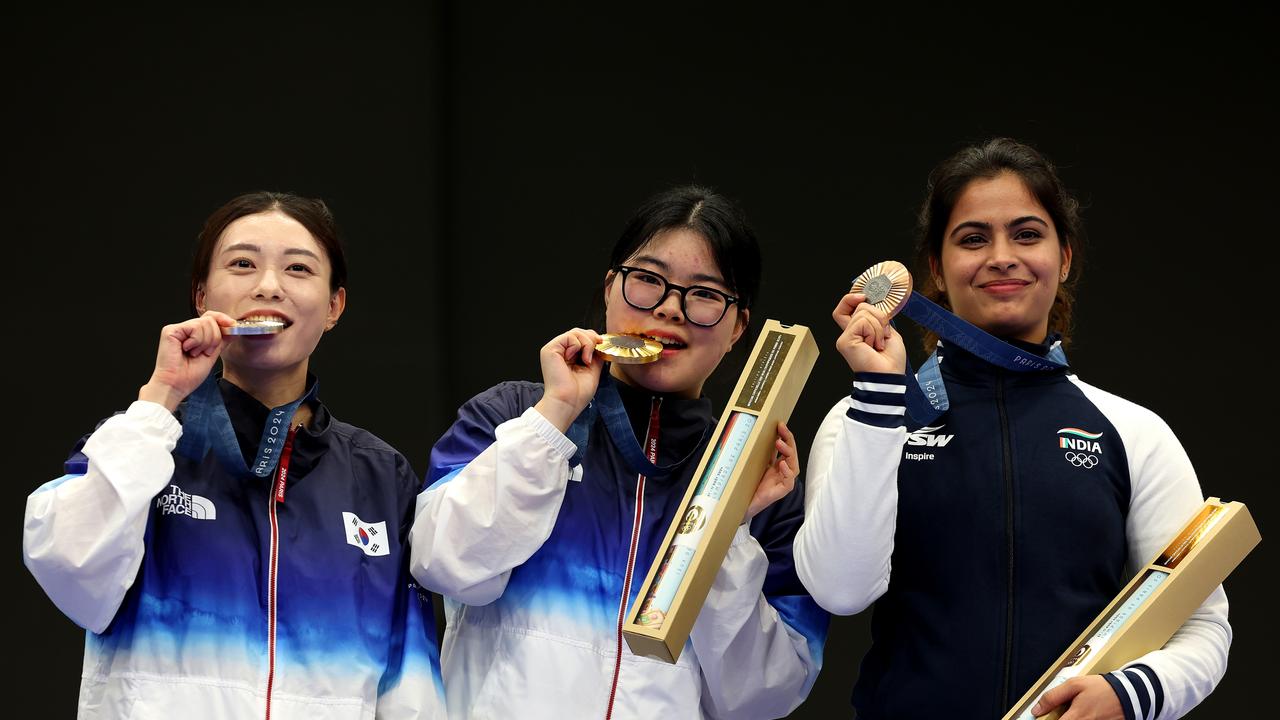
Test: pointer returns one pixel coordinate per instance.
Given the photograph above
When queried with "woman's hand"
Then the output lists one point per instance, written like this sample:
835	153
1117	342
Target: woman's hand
780	477
570	375
867	341
187	353
1089	698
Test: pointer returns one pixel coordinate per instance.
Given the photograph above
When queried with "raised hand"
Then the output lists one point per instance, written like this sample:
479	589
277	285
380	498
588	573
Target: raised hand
570	375
185	357
867	341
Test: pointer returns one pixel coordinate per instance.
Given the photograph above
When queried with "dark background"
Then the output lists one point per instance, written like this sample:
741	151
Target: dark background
482	159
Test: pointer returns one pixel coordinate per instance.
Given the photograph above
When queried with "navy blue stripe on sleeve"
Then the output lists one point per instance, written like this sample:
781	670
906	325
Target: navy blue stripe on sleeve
1122	691
1140	692
879	399
1144	672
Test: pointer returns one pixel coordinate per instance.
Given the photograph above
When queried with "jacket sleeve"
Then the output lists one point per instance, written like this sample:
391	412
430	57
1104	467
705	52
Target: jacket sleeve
1164	495
83	534
496	486
759	637
411	687
843	550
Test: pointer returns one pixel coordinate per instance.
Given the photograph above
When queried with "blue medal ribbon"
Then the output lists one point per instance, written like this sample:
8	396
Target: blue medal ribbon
205	423
580	432
608	406
927	396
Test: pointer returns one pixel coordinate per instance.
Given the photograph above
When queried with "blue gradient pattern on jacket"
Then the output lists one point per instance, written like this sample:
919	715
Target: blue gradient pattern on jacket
579	571
348	624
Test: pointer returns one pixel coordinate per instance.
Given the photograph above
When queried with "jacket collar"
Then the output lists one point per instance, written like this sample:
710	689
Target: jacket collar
682	422
964	367
249	417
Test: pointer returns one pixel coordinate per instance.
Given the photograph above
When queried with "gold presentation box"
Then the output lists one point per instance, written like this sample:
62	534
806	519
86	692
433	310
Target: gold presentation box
741	448
1157	601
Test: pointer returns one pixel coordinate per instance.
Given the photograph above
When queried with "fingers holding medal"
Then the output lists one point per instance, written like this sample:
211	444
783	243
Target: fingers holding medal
570	374
867	341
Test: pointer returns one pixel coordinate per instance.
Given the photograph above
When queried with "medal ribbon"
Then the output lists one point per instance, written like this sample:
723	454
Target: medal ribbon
608	405
205	423
927	397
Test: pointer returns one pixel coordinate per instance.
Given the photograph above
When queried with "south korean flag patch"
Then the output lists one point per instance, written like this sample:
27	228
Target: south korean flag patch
369	537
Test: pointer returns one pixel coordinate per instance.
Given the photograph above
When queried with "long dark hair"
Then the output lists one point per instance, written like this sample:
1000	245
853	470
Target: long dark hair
984	161
311	213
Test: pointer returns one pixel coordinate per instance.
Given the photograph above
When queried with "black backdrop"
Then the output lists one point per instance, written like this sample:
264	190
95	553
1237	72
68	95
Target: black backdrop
482	159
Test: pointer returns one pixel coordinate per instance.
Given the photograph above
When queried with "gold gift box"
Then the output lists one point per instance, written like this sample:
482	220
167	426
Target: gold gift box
765	395
1157	601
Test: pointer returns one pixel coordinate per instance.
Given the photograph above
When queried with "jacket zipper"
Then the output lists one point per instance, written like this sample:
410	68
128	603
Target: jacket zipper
1008	529
277	496
651	450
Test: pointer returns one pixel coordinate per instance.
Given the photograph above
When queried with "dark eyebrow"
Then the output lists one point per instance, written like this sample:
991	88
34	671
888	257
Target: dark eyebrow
987	226
301	251
662	266
250	247
1026	219
971	224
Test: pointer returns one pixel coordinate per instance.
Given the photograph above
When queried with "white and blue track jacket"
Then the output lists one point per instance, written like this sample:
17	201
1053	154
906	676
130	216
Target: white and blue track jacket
207	596
991	539
539	560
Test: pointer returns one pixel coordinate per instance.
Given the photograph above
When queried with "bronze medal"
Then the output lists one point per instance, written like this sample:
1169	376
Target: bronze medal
887	286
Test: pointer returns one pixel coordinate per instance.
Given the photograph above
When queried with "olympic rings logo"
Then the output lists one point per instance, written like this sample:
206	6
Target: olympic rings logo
1084	460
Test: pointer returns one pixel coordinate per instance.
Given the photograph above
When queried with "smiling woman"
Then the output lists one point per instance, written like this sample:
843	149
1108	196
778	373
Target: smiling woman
269	265
988	554
233	549
1001	261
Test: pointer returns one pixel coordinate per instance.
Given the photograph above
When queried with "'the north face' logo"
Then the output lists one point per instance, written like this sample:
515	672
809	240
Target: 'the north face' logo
177	502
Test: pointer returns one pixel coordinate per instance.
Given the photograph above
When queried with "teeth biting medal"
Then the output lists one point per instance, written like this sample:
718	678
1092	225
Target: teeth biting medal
255	326
629	348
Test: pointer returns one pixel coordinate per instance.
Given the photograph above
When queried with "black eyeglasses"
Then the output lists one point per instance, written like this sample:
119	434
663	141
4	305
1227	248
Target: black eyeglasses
645	290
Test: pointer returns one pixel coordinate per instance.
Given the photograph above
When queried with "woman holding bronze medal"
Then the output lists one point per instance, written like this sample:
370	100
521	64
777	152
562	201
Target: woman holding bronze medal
233	550
992	535
548	501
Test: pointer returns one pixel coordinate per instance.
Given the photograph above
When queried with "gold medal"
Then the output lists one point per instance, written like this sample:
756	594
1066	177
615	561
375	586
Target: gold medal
254	327
887	286
629	349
